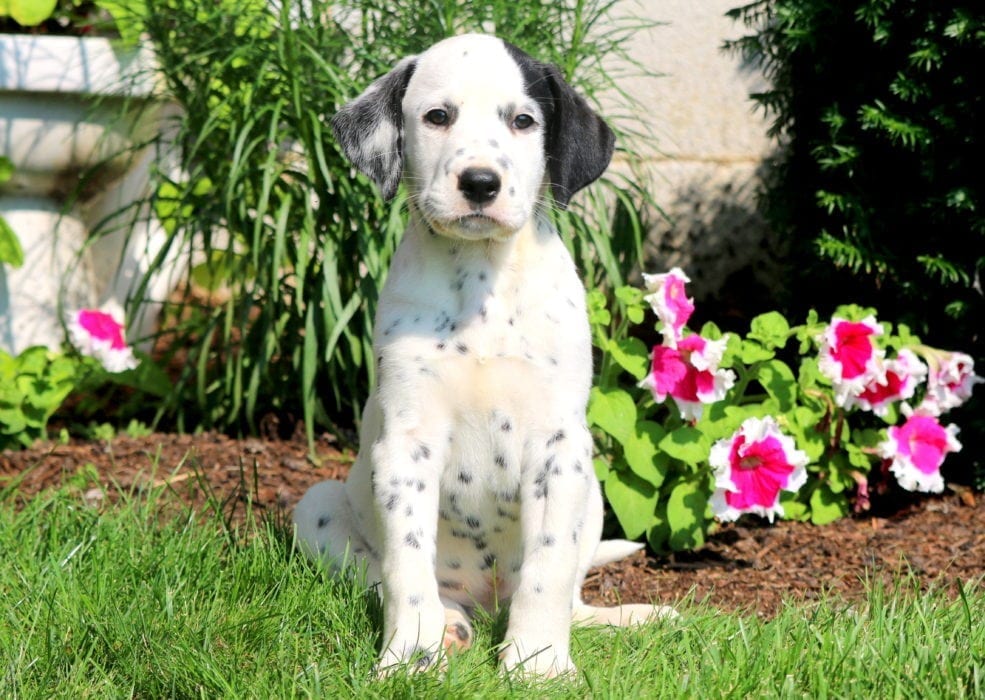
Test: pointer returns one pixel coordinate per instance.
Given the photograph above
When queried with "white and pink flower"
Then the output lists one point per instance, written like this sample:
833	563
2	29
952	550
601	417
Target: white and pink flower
100	334
751	469
897	381
950	382
849	356
669	302
917	450
689	374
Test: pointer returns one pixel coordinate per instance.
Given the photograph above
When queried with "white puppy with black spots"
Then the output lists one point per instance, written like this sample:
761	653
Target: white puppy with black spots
474	484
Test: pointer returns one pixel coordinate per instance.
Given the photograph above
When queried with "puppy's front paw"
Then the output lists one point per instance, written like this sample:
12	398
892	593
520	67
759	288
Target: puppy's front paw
418	660
541	661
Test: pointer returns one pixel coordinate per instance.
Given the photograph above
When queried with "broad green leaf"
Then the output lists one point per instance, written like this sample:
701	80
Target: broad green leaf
686	516
632	500
11	252
778	380
752	352
827	506
771	329
792	508
28	13
642	454
709	331
613	411
686	443
632	355
6	166
601	468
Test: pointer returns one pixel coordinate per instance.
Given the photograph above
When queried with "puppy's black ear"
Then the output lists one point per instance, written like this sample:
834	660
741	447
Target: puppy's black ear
578	144
370	128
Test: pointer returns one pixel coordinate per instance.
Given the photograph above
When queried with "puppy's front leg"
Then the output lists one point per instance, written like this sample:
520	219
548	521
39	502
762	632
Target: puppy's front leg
553	502
406	473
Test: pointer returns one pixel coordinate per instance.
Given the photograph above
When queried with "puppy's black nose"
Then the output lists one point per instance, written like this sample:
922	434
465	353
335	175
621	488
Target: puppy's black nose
479	185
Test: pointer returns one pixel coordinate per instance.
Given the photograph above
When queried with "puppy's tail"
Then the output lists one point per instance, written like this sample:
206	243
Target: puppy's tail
622	615
609	551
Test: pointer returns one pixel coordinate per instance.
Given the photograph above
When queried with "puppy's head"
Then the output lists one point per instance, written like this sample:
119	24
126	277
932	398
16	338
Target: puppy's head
476	128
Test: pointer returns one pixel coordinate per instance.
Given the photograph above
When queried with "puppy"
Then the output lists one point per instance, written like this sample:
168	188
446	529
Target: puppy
474	484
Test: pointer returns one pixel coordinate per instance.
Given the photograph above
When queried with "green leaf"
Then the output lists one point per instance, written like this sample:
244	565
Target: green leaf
635	314
30	13
686	443
771	329
827	506
632	355
601	468
778	381
6	165
633	501
10	246
613	411
751	352
643	454
792	508
686	516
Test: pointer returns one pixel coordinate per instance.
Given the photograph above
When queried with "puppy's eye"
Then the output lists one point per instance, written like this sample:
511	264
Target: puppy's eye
438	117
523	121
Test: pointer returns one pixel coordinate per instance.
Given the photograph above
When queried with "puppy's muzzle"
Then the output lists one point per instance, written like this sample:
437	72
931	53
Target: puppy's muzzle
479	185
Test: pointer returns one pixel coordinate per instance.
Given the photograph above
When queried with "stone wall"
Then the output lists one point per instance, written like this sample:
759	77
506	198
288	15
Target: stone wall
708	150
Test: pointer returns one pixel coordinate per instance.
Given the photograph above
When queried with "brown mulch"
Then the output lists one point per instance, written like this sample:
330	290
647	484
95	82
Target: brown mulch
746	566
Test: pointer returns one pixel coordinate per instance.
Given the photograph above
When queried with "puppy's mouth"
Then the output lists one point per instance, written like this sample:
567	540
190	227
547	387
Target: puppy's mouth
475	225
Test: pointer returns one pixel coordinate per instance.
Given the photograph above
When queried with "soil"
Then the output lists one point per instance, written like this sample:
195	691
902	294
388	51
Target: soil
750	566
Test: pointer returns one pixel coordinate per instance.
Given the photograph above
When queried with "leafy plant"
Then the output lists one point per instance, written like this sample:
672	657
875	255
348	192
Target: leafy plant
77	17
32	386
877	187
290	246
670	456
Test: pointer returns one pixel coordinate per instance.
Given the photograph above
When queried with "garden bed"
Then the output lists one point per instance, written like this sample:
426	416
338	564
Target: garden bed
748	566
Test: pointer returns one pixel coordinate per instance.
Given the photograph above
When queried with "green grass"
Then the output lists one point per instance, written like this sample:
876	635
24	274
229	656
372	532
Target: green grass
141	598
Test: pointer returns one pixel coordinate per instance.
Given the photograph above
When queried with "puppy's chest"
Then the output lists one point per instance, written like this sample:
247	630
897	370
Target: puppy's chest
483	334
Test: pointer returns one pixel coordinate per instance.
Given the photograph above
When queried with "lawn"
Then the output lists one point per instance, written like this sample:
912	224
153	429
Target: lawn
140	596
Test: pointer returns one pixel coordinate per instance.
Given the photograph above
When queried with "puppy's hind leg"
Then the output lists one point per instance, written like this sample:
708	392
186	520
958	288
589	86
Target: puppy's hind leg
325	530
595	553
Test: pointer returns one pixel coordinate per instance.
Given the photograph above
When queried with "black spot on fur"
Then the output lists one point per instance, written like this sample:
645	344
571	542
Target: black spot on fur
324	520
462	348
420	452
424	659
473	522
461	631
465	477
555	438
547	540
414	601
506	426
411	541
500	461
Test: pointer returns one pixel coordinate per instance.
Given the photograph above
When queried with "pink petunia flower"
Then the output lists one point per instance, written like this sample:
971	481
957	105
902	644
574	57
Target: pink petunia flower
689	373
898	381
752	467
917	449
849	357
669	302
100	334
950	383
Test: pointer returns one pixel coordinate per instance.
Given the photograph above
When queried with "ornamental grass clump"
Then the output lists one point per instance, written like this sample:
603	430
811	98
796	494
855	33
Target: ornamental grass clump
786	421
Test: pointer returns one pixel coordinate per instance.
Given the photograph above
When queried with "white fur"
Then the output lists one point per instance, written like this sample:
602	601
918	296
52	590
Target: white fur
474	485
